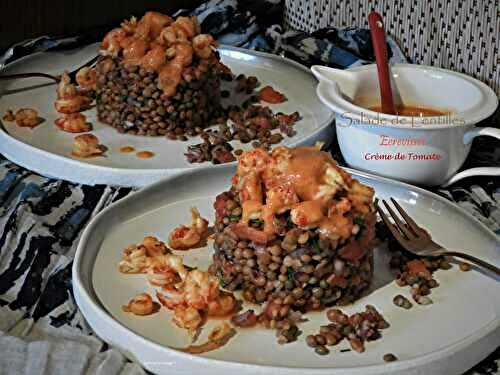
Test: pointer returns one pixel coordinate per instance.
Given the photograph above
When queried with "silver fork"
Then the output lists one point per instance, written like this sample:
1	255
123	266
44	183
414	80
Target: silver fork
56	78
417	241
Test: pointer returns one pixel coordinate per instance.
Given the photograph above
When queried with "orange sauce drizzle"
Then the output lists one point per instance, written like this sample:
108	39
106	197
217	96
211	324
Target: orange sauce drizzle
127	149
145	154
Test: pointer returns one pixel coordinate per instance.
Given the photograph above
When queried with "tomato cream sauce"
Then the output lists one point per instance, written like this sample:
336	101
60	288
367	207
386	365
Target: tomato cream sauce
305	181
159	44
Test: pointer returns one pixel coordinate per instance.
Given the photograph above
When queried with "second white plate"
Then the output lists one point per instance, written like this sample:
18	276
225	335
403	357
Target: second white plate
47	150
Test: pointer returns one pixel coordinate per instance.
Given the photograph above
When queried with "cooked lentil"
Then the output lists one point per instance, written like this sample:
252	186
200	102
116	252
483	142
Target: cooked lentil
464	266
402	301
389	357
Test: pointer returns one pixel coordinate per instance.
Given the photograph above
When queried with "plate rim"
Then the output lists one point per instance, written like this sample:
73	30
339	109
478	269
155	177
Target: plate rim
8	141
79	290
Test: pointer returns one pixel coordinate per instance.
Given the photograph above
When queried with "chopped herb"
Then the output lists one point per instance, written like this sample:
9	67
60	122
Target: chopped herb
345	350
375	203
291	274
359	220
316	247
234	217
361	223
257	222
221	279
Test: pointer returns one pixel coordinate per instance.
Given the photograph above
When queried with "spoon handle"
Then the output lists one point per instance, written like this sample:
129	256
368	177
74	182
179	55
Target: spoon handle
380	48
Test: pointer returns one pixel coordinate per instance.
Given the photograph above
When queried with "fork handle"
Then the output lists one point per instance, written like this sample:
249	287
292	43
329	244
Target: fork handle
29	75
474	260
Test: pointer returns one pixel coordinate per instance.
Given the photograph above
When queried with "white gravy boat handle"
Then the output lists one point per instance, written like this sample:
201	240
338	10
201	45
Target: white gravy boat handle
480	171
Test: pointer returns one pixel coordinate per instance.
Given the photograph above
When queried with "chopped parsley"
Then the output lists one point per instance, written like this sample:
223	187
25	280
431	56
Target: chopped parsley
316	247
360	221
256	222
291	273
234	217
221	279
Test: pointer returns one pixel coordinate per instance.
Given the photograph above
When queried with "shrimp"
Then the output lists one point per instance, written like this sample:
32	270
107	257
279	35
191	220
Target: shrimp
73	123
217	338
224	305
172	262
251	188
187	318
361	197
151	24
105	65
190	73
200	288
181	54
169	77
139	258
200	291
86	78
135	51
154	58
307	214
135	260
87	145
141	304
340	207
255	160
189	25
244	232
27	117
220	332
171	297
162	276
172	34
181	31
111	42
129	26
66	89
202	45
69	100
337	226
154	246
72	105
184	238
281	197
250	167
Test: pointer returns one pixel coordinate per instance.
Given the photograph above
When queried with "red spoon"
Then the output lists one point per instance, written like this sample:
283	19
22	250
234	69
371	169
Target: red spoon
380	47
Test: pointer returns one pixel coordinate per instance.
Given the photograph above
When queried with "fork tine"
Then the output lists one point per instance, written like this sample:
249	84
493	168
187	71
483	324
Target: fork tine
414	227
402	227
395	232
89	63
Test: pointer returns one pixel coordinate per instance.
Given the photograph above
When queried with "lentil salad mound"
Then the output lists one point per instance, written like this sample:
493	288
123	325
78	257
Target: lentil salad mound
294	227
158	76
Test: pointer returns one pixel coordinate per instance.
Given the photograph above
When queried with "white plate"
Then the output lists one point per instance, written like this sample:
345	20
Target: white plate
448	337
47	150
